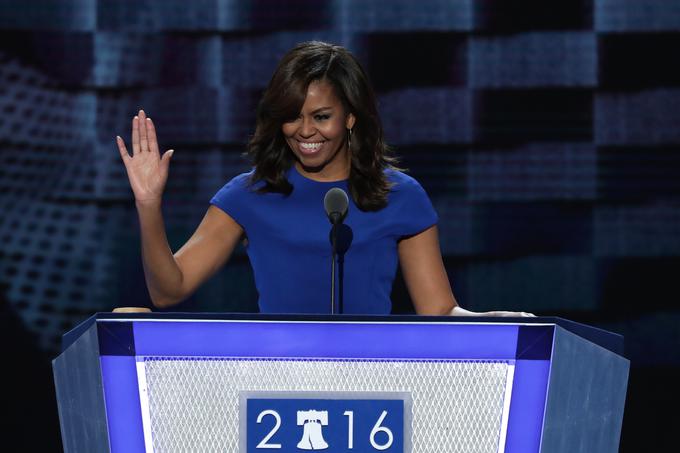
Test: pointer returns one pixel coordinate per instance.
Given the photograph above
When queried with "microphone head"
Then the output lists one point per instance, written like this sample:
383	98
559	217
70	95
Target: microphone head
336	203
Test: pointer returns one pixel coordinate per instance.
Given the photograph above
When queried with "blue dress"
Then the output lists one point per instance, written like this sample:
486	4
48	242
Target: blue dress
289	247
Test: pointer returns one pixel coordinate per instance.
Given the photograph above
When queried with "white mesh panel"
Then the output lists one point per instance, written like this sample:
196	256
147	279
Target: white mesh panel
193	402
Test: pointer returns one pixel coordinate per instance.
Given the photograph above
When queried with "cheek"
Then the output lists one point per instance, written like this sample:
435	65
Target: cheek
288	130
333	131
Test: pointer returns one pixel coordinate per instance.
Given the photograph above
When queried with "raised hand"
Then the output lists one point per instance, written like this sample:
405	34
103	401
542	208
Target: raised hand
147	170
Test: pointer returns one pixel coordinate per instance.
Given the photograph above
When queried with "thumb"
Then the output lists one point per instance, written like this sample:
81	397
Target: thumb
165	159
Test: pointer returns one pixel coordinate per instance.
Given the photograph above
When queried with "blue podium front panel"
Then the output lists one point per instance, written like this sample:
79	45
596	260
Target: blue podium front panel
173	383
192	374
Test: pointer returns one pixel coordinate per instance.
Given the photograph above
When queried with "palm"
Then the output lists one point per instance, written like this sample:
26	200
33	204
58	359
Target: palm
146	176
147	171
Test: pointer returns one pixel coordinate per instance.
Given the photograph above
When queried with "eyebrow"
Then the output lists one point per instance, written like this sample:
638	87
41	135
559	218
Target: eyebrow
321	109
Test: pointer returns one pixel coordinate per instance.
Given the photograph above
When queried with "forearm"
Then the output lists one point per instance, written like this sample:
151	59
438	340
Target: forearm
162	273
439	303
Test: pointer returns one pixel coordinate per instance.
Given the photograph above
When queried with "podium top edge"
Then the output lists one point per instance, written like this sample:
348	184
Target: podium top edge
191	316
608	340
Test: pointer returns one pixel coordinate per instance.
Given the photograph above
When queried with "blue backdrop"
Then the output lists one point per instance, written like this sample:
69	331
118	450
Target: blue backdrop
545	132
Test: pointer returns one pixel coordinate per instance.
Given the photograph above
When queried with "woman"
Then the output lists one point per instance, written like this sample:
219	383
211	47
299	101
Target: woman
317	128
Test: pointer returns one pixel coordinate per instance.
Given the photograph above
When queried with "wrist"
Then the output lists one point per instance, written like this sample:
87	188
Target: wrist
148	204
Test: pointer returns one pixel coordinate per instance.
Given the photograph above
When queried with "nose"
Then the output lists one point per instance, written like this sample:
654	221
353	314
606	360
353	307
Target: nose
307	128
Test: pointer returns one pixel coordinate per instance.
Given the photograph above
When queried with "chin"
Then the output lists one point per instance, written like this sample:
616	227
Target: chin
312	166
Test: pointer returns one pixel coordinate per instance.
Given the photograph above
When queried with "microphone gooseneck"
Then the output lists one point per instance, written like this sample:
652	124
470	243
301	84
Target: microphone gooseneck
335	202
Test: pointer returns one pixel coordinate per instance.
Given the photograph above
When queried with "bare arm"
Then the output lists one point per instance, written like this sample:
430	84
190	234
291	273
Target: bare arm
171	278
426	279
424	273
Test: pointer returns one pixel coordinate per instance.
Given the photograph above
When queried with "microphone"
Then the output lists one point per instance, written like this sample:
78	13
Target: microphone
336	202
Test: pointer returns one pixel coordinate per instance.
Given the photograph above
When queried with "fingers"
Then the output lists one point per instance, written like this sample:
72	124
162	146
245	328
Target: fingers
512	314
131	310
143	136
122	149
135	136
151	136
521	314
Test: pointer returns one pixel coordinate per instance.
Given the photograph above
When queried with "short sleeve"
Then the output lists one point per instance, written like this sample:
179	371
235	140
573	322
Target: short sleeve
413	209
233	198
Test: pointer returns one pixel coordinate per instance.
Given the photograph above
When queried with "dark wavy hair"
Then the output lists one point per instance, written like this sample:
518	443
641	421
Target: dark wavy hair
282	101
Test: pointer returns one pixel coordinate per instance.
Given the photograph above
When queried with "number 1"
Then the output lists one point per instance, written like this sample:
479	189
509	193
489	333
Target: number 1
350	429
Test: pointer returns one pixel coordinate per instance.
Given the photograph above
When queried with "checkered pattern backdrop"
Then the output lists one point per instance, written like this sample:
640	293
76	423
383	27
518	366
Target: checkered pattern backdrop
545	132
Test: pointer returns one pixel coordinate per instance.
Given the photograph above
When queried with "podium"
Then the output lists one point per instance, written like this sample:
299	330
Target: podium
169	382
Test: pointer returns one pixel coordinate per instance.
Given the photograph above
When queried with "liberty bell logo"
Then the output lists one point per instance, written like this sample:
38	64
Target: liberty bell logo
312	437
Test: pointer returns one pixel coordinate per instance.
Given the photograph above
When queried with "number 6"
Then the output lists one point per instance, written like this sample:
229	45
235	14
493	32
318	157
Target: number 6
376	429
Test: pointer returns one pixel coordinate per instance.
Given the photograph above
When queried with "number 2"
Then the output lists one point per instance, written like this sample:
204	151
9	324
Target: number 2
263	443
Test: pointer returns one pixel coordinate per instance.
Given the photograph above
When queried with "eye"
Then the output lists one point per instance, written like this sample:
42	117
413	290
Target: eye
322	117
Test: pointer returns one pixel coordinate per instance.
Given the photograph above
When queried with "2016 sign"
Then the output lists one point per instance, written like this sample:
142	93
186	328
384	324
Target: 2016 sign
331	425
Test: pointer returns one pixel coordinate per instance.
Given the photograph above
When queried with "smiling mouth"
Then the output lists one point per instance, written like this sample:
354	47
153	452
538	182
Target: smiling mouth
309	148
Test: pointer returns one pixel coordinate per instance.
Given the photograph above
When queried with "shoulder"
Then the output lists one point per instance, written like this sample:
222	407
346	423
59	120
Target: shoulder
241	181
400	181
237	198
409	203
406	190
235	188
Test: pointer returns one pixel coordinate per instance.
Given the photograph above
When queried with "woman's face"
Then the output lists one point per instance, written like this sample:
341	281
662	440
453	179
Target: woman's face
318	135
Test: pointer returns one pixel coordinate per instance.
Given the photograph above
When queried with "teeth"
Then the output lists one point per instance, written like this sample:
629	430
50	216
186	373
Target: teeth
310	146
